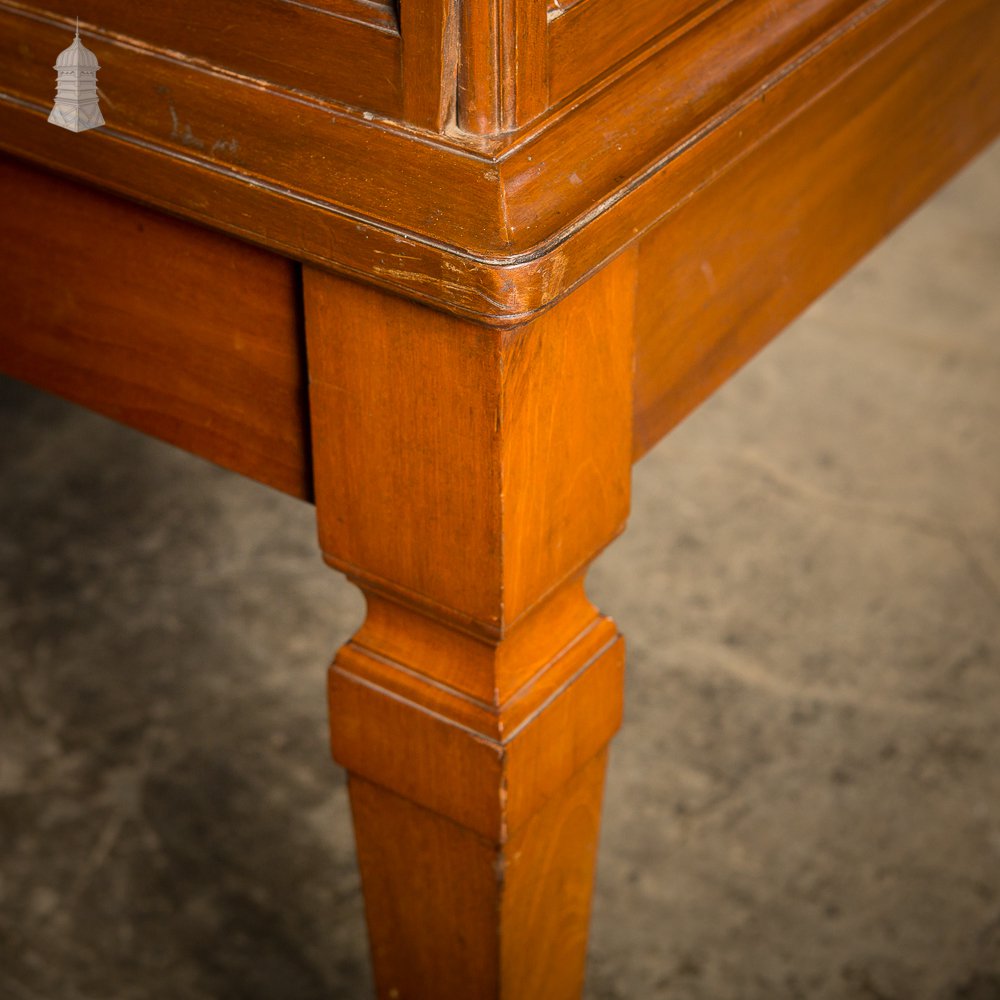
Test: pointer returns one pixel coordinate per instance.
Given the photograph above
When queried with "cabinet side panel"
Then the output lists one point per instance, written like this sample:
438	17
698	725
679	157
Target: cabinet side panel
732	265
182	333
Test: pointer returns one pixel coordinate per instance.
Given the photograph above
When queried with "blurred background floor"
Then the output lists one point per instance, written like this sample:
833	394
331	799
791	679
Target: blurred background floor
804	801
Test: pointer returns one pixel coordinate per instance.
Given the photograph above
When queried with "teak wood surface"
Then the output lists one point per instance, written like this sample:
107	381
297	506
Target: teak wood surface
491	251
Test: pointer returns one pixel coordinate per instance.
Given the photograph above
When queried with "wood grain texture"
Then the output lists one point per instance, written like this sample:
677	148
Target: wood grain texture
397	723
176	331
382	13
588	37
234	137
469	465
649	115
466	476
513	917
288	44
549	882
430	56
477	846
740	258
503	69
507	445
490	227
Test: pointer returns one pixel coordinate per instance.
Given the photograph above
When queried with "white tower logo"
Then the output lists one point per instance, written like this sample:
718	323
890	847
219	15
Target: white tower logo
76	105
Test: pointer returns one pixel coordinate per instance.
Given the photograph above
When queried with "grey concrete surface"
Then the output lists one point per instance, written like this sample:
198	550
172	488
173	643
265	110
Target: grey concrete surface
804	801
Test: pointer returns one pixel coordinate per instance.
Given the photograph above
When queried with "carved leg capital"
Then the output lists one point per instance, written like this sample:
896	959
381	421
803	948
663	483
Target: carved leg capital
477	818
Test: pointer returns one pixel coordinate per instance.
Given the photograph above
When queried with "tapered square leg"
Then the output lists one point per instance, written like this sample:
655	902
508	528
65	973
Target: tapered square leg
477	849
465	478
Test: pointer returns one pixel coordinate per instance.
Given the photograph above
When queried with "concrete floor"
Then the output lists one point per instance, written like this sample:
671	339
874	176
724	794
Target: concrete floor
804	801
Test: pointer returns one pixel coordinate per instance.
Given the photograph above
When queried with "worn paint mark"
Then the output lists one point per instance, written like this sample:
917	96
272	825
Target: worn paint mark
438	284
183	132
709	274
552	272
224	146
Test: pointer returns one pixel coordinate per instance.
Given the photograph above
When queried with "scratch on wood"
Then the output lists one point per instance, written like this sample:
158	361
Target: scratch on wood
183	132
461	291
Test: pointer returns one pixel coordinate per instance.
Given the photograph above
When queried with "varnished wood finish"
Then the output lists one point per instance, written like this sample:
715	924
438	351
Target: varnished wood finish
741	257
482	428
174	330
281	42
588	37
465	478
494	227
502	78
535	930
430	62
610	208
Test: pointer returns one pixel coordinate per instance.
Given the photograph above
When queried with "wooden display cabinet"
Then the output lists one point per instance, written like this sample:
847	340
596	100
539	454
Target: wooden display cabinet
446	268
